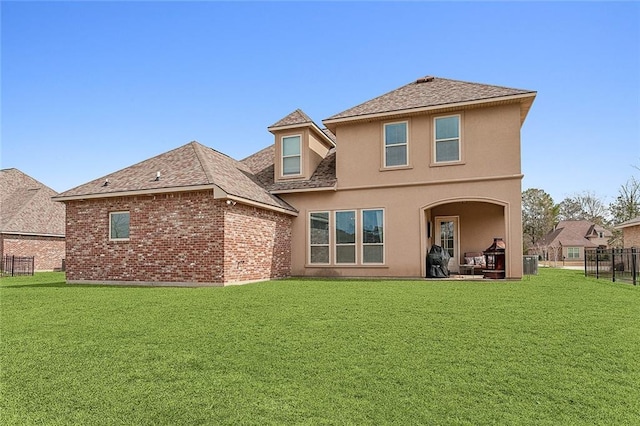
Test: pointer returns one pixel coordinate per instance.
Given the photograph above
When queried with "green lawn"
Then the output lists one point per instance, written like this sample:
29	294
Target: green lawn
554	349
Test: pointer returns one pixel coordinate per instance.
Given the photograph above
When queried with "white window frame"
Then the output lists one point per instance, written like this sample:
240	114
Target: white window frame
384	144
111	214
328	245
335	239
282	156
384	225
436	140
575	250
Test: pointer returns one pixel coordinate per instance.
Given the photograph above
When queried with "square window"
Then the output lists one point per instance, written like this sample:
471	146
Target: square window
119	226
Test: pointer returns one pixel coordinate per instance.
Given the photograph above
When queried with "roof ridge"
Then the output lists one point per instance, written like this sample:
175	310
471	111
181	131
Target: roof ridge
198	150
483	84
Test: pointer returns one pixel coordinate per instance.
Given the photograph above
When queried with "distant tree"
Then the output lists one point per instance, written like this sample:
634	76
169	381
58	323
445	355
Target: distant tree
583	206
538	215
627	204
570	209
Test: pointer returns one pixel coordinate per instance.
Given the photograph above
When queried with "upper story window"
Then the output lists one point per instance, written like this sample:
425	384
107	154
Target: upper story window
447	139
395	144
119	225
291	155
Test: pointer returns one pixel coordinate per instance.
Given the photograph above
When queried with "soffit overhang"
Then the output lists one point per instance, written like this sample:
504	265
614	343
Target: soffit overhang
310	125
217	192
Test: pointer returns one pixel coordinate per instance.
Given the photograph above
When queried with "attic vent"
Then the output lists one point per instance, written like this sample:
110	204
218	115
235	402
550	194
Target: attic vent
426	79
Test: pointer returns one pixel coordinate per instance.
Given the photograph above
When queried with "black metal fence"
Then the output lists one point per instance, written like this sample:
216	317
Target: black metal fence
614	264
17	265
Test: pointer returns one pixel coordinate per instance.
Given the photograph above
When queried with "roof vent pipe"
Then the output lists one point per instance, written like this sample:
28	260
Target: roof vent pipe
426	79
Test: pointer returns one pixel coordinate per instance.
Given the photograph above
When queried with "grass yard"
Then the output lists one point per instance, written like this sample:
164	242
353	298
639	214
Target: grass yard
554	349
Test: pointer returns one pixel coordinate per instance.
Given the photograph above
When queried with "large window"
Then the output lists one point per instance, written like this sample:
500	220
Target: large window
291	155
346	237
119	226
447	139
319	237
395	144
372	236
573	252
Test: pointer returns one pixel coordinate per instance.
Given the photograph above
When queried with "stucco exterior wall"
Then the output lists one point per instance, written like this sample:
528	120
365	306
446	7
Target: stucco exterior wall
47	251
483	190
490	146
486	210
175	239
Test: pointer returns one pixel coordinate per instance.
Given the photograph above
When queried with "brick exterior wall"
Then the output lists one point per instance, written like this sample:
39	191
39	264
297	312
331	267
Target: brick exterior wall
180	238
257	244
48	252
631	236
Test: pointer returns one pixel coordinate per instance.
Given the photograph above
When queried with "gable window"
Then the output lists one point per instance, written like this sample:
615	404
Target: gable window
345	237
119	225
372	236
395	144
573	252
447	139
291	155
319	237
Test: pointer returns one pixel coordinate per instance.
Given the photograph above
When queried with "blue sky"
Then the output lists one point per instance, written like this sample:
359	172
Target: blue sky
89	88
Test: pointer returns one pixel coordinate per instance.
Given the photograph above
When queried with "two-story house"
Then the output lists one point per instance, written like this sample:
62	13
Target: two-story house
436	161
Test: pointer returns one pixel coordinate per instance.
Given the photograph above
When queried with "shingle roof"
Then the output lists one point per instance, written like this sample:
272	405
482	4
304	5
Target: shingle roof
26	205
630	222
296	117
428	92
262	165
573	233
190	166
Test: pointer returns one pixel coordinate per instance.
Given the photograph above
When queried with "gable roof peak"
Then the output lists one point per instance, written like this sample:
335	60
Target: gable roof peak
296	117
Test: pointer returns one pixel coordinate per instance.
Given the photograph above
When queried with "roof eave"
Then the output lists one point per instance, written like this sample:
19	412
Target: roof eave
526	99
221	194
292	191
311	125
88	196
32	234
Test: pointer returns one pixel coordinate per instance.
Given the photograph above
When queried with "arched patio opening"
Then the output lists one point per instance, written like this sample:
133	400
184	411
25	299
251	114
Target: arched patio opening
463	225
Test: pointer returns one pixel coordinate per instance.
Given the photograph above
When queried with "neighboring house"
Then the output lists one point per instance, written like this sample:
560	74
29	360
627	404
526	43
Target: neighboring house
569	239
630	232
436	161
31	224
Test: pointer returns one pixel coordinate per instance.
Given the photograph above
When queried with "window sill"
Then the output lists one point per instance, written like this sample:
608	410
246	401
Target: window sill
390	169
449	163
334	266
290	177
